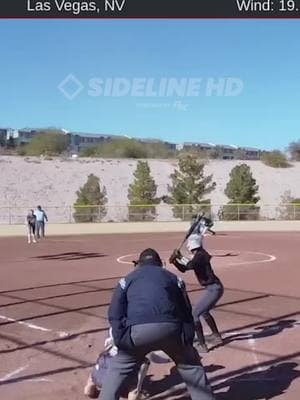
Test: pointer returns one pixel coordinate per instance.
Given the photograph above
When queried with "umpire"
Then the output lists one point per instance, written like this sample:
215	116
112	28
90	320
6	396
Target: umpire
149	311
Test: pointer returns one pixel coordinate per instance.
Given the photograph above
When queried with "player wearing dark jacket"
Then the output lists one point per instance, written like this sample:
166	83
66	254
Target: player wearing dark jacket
213	288
150	311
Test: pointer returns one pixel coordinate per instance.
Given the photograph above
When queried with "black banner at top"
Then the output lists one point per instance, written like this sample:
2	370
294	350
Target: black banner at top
149	9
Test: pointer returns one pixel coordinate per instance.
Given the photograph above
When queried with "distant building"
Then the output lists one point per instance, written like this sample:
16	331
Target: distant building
79	141
3	137
249	153
195	145
171	146
7	135
24	136
227	152
222	151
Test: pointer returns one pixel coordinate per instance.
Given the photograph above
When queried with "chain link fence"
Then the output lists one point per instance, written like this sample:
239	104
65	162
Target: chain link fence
159	213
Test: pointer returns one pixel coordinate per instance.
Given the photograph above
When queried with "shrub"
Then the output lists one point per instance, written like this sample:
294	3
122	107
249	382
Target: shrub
48	142
275	159
129	148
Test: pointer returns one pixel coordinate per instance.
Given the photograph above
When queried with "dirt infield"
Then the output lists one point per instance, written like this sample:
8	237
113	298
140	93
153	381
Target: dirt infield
54	297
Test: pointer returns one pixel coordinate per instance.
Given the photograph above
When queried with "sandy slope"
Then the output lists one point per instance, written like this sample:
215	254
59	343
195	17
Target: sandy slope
24	182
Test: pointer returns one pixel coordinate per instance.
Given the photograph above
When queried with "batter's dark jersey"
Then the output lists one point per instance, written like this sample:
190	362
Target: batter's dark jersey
201	266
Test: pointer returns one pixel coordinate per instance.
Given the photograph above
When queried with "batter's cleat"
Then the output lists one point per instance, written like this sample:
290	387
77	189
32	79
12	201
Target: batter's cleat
90	389
201	348
214	339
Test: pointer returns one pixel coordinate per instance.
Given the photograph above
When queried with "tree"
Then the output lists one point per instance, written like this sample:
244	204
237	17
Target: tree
142	192
289	208
159	149
117	148
91	200
294	150
242	191
275	159
49	142
189	186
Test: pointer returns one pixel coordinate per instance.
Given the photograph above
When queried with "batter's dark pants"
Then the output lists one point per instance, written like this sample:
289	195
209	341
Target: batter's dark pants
151	337
210	297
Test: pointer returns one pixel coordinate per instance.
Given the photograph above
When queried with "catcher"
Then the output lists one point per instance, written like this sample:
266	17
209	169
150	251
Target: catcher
98	374
213	288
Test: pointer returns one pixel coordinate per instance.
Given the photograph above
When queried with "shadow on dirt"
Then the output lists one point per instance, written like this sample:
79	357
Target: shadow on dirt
71	256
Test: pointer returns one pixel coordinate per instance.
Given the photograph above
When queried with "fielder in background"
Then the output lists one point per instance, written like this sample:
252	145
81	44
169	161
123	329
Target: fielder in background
41	218
213	288
30	226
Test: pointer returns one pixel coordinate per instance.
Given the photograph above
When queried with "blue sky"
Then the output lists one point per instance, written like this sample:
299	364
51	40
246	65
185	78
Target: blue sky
264	54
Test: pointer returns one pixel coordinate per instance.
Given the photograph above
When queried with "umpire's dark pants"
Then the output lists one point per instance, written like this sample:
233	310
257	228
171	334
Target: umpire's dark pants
151	337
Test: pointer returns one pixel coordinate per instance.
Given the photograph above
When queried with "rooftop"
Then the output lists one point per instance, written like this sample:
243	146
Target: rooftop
249	148
199	144
96	135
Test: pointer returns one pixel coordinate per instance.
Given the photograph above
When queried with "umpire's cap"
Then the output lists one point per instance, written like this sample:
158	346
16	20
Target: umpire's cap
150	256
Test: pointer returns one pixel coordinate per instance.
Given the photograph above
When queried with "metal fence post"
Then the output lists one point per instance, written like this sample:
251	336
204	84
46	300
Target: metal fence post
238	210
183	215
294	209
70	214
9	215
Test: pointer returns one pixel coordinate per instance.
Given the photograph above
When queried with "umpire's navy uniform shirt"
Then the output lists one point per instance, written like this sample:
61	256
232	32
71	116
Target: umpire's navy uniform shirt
149	294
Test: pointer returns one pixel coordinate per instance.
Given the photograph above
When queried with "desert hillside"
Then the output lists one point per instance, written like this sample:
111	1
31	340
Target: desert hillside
26	182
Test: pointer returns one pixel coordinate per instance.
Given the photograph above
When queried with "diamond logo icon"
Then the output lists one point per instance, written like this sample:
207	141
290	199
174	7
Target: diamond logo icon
70	87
